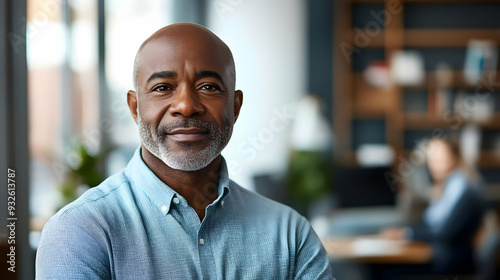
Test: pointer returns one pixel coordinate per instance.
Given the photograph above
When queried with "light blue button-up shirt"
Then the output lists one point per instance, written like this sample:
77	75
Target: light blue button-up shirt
133	226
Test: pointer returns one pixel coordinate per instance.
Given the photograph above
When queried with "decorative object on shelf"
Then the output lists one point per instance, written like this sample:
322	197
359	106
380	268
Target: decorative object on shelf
377	74
372	155
470	144
480	60
407	68
474	108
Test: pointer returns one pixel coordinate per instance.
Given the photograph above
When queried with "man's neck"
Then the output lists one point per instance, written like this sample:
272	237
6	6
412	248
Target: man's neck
199	188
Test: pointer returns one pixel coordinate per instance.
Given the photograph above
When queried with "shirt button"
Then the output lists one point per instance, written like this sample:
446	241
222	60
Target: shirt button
202	241
222	203
176	200
164	208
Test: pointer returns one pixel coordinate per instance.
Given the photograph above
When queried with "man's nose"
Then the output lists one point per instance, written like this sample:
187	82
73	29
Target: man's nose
186	102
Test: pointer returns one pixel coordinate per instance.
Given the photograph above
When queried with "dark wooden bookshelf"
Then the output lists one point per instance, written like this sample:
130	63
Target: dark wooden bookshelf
356	99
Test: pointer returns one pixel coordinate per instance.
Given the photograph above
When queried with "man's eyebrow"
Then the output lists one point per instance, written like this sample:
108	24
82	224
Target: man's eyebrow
213	74
161	74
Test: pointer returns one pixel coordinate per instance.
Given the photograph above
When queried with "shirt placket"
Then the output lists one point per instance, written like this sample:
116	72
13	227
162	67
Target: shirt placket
205	242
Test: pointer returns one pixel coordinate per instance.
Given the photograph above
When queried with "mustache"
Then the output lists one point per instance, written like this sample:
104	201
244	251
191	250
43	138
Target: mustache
165	129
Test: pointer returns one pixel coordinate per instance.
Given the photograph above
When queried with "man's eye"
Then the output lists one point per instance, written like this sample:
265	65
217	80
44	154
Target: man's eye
210	88
161	88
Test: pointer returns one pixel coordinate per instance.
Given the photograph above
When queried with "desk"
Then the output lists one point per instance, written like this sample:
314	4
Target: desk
372	249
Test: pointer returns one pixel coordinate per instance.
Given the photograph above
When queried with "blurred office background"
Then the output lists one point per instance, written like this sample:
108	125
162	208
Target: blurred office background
337	105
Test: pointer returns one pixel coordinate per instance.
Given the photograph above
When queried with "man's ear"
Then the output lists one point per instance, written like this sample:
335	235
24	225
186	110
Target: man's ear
132	103
238	101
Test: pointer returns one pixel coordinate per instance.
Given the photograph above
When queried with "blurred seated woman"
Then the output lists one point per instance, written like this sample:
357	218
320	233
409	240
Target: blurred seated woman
454	214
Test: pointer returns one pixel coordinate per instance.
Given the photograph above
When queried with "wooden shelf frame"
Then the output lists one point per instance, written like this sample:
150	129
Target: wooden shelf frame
422	38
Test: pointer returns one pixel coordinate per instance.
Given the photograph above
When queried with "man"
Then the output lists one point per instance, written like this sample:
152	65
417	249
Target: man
173	213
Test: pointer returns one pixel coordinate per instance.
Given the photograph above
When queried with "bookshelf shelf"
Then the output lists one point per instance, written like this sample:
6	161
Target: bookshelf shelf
489	84
416	121
424	38
447	38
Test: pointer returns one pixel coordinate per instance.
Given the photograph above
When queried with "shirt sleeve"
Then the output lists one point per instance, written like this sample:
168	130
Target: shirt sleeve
67	250
312	261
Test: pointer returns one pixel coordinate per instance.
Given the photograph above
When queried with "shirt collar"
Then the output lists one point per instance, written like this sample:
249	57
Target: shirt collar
160	193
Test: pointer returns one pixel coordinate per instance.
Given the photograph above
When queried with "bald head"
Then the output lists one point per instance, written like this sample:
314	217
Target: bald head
185	102
185	37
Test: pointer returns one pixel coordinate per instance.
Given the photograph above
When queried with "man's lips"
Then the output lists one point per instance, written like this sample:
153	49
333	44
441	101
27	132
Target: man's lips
188	134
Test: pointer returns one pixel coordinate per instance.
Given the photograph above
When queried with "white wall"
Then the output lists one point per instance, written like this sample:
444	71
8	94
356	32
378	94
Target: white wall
268	42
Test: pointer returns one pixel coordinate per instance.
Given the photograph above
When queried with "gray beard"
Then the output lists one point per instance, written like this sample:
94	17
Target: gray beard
187	160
